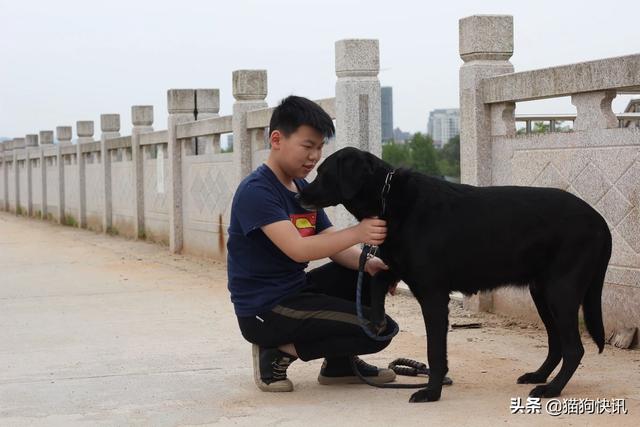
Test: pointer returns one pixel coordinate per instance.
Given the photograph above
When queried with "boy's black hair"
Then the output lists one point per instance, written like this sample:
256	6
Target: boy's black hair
295	111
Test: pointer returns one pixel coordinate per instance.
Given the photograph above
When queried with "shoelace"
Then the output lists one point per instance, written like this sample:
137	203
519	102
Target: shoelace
280	368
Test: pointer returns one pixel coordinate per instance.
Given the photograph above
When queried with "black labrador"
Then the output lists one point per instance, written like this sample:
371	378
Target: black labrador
444	237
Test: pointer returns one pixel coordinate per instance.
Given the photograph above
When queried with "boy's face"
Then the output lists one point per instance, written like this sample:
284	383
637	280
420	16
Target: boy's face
299	152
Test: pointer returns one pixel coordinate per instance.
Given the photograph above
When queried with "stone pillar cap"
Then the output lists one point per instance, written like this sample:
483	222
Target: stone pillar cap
108	123
208	101
84	128
18	143
181	101
31	140
488	37
63	133
46	137
249	85
357	57
142	115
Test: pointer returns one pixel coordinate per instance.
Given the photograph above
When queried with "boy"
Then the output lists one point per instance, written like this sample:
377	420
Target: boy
284	312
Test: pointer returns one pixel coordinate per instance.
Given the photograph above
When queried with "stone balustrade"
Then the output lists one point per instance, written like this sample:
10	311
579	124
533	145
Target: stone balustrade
175	186
599	161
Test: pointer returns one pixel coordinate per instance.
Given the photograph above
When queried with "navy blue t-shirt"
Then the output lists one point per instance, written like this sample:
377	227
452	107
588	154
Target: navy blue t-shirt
259	273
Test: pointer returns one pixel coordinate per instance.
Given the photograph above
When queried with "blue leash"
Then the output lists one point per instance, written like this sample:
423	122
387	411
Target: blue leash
367	252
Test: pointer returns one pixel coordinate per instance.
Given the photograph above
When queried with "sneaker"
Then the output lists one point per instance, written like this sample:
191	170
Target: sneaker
270	369
339	371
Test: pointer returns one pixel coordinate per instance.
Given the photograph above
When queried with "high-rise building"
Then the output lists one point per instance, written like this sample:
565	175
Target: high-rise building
443	125
386	103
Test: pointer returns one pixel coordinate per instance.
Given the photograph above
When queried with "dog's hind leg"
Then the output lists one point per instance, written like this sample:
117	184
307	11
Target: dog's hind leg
554	354
563	304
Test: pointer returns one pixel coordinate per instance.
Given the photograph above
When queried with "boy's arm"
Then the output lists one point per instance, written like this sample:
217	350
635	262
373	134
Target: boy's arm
350	257
302	249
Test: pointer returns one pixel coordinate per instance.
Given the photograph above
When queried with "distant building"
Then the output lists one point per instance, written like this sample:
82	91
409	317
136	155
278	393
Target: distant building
229	141
401	137
443	125
632	107
387	112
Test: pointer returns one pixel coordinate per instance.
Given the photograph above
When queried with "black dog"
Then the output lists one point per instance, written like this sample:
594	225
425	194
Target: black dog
444	237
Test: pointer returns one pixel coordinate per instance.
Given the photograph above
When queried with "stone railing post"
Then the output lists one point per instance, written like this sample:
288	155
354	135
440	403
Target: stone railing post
181	104
207	106
6	147
31	141
593	110
110	127
63	134
85	130
18	144
46	140
142	119
249	91
358	110
8	157
485	46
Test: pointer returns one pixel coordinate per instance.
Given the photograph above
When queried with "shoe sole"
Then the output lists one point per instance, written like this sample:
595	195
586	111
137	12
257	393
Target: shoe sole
278	386
384	376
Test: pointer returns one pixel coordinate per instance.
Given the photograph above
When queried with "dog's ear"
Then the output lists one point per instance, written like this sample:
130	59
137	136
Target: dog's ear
353	169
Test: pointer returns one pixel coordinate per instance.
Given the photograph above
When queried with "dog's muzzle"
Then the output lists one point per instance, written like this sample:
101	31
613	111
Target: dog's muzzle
306	206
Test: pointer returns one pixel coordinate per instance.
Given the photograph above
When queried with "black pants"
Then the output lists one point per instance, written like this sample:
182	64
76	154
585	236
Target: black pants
321	320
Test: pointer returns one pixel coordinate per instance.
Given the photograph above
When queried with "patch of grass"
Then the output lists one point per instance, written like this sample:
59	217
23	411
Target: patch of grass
50	216
112	231
19	210
70	221
142	235
38	214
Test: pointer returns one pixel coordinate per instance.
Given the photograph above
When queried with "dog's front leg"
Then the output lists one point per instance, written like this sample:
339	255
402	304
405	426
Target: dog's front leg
435	310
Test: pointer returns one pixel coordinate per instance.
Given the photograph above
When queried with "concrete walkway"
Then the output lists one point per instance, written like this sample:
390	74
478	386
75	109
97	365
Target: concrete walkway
99	330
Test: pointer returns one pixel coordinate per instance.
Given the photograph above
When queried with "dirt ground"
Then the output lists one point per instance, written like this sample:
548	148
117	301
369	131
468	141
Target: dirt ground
99	330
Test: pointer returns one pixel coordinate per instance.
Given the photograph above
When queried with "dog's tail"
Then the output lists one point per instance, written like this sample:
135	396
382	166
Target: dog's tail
592	304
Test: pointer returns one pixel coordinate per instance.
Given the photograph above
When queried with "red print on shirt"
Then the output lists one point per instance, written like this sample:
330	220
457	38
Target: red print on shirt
305	223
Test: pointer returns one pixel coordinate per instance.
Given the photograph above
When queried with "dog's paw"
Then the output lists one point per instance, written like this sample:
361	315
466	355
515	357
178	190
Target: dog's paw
544	391
532	378
425	395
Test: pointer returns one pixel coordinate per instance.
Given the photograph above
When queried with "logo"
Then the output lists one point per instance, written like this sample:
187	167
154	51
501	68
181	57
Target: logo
305	223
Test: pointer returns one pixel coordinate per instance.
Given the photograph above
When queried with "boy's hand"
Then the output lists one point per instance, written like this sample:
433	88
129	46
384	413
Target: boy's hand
375	265
372	231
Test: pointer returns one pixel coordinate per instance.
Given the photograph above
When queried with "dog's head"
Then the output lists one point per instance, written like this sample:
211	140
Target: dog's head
350	177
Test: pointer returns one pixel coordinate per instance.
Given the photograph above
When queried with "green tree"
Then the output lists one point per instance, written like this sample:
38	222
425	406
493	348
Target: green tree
398	155
449	158
420	154
544	127
228	149
424	157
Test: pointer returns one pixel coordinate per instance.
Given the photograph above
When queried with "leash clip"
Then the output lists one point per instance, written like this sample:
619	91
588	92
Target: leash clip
372	251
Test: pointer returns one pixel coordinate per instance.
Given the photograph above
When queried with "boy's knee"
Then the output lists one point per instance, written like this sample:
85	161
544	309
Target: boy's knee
391	326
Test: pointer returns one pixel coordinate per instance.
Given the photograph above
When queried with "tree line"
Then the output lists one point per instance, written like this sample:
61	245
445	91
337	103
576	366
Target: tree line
420	154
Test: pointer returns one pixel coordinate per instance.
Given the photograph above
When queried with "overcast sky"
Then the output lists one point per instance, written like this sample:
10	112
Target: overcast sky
63	61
